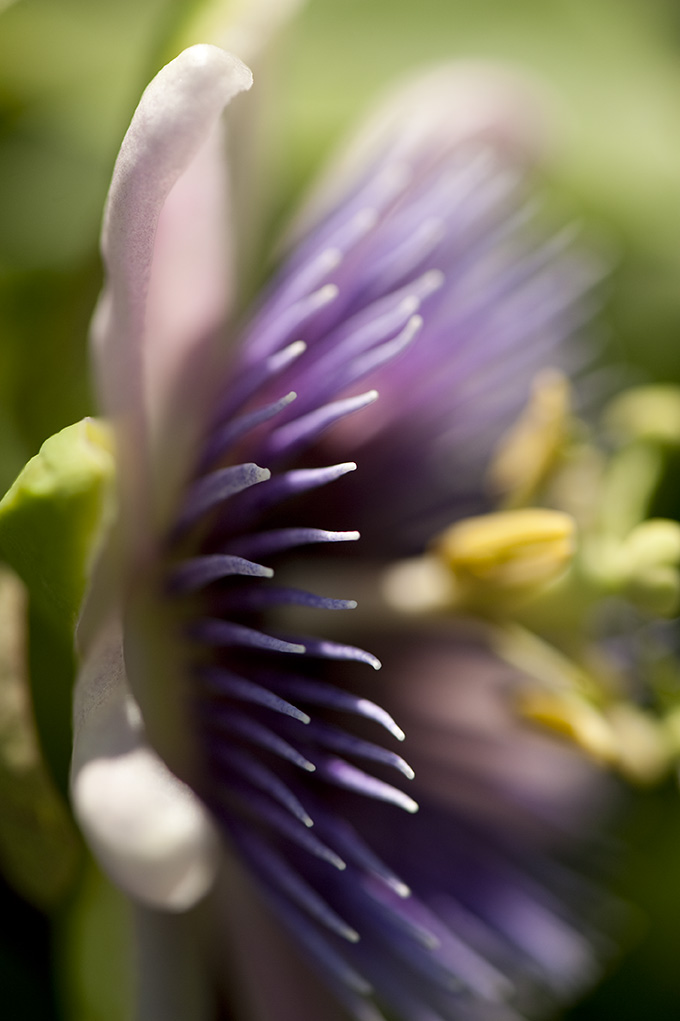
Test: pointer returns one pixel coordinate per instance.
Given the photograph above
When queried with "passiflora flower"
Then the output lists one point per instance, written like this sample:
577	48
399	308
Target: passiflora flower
215	731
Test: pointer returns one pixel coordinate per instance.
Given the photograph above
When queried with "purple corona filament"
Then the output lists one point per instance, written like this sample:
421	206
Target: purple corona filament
422	284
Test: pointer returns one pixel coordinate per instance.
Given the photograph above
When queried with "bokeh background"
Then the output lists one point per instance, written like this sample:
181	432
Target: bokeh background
71	72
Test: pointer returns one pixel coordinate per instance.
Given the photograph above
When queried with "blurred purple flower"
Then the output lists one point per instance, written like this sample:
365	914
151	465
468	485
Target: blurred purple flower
203	732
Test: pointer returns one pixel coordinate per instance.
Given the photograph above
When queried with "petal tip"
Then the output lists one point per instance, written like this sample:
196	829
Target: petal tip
204	57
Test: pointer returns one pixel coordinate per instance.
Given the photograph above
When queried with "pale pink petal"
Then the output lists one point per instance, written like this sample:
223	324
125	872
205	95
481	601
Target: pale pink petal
147	829
174	125
190	293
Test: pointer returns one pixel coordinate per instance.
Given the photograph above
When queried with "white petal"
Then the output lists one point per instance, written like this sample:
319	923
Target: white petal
148	830
172	134
190	293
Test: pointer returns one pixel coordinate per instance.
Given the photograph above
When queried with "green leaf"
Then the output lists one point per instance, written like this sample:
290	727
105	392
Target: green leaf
39	847
53	517
94	945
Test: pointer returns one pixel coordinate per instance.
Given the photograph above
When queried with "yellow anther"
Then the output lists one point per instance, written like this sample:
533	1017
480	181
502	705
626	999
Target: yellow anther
510	551
573	718
529	450
621	736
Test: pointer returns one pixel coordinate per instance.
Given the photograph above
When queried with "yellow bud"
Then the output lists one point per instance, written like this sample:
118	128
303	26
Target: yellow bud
529	449
510	552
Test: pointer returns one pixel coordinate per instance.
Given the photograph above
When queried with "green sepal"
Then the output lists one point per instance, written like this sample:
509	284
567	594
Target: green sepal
95	965
39	846
53	516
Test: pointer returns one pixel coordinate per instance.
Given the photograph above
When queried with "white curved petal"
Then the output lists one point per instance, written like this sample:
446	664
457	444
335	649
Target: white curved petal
190	293
164	244
148	830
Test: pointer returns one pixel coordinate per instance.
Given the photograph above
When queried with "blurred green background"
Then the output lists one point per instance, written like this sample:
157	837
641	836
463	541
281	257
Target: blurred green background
71	72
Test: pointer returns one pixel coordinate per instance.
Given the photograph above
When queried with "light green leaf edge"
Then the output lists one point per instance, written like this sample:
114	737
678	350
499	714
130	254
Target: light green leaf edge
54	515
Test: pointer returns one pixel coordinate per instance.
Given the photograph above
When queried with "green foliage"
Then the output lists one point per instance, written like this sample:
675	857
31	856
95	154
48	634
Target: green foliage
51	518
39	848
